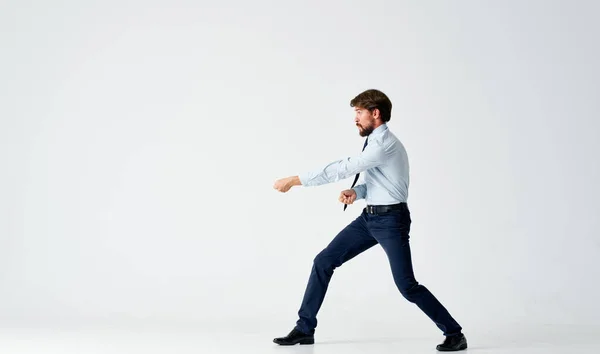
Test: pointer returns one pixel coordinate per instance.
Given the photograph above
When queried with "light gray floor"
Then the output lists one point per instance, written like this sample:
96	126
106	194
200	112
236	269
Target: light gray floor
551	339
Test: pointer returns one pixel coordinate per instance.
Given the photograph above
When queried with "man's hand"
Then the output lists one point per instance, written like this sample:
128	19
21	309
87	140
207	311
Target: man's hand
347	196
283	185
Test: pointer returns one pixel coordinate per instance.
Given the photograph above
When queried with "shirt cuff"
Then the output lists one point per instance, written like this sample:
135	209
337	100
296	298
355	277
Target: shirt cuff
361	191
304	178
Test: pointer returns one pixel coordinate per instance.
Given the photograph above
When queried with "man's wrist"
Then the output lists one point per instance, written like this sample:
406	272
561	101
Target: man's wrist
296	181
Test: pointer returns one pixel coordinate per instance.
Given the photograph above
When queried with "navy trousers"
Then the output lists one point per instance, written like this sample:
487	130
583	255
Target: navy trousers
391	231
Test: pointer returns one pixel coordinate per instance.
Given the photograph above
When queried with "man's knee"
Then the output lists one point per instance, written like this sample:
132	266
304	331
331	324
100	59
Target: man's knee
409	290
324	262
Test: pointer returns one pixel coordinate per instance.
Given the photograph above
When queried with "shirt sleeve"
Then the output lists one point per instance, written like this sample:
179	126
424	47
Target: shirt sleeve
372	156
361	191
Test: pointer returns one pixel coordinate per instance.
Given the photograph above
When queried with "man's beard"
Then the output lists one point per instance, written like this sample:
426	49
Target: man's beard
365	131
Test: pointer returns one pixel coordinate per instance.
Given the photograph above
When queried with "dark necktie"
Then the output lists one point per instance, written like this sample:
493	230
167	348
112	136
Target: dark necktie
356	177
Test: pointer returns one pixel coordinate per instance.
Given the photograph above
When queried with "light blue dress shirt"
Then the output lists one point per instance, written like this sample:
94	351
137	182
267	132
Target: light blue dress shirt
383	165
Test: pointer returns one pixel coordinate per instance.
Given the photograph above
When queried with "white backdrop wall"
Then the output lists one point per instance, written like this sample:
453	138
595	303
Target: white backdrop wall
139	142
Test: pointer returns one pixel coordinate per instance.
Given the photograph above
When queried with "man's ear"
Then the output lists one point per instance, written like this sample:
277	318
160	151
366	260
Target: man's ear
376	113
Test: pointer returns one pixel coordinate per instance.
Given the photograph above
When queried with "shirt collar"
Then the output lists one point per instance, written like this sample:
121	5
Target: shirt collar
379	130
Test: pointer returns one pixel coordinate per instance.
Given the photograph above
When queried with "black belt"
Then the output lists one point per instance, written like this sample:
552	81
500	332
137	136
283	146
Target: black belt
382	209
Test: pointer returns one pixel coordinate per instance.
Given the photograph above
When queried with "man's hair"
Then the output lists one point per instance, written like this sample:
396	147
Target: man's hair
371	99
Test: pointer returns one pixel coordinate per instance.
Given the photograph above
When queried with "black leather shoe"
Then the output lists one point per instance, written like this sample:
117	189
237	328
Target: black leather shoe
453	343
295	337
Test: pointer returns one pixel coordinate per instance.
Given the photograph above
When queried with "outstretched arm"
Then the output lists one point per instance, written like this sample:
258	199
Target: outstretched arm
372	156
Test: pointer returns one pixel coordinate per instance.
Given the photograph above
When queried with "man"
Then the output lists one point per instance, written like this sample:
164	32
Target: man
385	221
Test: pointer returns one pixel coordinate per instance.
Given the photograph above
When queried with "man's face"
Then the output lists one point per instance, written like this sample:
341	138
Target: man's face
364	121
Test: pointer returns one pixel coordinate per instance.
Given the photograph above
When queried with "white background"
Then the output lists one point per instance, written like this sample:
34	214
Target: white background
140	140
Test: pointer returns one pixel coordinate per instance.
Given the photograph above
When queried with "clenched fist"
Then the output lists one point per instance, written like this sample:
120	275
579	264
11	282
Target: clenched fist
284	184
347	196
